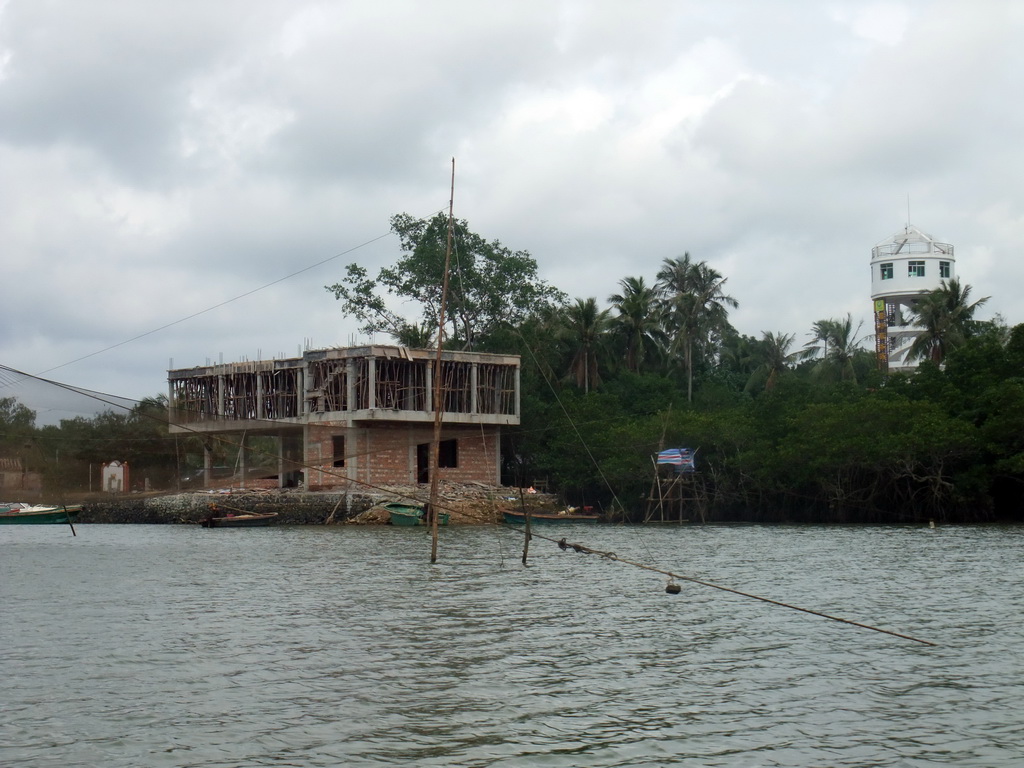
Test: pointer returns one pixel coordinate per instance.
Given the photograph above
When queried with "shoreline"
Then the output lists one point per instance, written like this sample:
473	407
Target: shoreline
466	506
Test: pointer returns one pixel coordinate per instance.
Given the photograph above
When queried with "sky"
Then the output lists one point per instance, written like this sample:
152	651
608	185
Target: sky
180	179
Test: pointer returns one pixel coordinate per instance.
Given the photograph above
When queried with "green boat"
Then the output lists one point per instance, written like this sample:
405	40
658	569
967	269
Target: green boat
25	514
411	514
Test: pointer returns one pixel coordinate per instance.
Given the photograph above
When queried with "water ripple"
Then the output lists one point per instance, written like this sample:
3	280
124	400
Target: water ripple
177	646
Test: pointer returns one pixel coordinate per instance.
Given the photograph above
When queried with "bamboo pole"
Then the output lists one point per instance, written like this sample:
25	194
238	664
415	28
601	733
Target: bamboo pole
435	461
70	524
528	536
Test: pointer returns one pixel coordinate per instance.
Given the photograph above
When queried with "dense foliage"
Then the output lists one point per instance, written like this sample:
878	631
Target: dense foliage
489	286
782	431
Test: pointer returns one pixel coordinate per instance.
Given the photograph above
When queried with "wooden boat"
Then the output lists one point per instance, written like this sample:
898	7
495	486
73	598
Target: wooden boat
242	520
544	518
411	514
26	514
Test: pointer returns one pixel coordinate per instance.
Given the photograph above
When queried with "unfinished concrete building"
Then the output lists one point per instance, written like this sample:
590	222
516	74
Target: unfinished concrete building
358	415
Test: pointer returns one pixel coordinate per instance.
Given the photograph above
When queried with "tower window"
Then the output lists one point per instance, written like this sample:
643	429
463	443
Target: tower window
944	270
887	271
915	269
338	449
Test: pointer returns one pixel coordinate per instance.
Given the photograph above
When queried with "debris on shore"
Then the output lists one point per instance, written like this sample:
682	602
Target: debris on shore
466	504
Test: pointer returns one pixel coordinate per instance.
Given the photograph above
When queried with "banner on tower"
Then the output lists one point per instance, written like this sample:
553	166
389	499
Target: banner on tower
881	336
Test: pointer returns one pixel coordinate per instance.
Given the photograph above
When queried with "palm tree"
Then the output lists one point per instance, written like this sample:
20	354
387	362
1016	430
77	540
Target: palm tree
775	358
840	346
736	353
695	308
637	323
946	317
414	335
584	329
821	332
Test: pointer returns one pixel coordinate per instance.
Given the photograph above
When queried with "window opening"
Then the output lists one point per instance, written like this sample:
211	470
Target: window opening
448	453
338	449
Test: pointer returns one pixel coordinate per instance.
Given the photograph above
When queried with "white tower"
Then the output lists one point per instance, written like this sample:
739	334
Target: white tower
907	265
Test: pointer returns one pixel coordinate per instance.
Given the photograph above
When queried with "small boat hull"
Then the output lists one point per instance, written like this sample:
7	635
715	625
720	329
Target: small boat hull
39	515
411	514
547	518
240	521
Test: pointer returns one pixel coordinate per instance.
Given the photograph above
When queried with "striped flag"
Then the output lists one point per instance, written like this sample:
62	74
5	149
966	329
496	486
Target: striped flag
680	458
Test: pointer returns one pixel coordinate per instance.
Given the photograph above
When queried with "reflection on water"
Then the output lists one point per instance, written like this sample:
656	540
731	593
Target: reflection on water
180	646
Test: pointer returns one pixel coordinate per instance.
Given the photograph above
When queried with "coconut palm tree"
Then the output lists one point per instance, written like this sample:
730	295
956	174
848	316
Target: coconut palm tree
637	323
584	331
839	345
821	332
415	335
775	358
946	317
695	309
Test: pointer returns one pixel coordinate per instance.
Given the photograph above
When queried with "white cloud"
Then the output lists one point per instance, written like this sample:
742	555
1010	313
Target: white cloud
162	160
883	23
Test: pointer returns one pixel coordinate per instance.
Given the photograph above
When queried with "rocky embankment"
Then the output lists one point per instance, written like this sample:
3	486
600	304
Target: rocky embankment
465	503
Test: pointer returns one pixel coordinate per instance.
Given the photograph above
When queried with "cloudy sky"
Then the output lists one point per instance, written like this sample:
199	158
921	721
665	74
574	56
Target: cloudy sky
159	159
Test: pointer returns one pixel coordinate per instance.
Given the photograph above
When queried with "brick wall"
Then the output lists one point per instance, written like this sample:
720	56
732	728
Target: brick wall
386	454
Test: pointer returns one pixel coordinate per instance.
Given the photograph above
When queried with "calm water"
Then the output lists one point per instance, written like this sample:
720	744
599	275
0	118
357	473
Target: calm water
181	646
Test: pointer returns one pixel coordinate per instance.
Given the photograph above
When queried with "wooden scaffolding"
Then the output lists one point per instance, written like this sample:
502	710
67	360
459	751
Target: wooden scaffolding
675	496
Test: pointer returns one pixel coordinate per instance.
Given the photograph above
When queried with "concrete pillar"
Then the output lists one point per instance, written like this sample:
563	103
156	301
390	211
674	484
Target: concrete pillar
350	384
243	457
207	464
472	388
518	376
261	410
430	387
371	383
280	460
497	455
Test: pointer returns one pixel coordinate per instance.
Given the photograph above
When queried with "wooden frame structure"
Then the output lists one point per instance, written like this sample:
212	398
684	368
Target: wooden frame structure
675	497
363	394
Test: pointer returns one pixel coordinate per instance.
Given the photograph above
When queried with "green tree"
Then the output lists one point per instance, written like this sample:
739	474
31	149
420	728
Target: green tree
17	430
774	358
840	348
821	332
584	332
138	436
946	317
17	421
490	286
415	335
696	309
636	323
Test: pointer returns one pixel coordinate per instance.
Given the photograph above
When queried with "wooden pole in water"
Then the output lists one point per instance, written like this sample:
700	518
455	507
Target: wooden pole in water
68	516
435	461
528	536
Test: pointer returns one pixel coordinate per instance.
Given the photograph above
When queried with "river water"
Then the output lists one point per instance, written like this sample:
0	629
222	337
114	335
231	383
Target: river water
342	646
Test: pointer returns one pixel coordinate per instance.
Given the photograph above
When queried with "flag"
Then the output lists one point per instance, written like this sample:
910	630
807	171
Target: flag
680	458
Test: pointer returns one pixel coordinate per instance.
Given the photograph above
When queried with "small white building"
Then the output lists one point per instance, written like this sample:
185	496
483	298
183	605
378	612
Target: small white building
903	268
114	477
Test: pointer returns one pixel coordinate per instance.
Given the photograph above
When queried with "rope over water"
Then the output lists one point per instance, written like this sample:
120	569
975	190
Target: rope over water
584	550
562	543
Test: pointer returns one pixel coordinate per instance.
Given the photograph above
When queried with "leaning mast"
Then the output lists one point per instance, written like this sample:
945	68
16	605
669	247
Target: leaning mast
438	402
